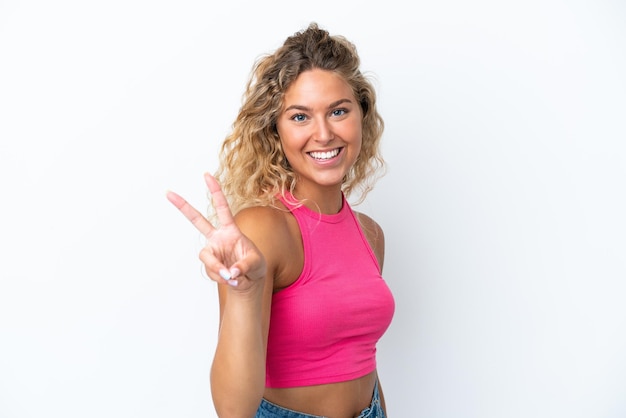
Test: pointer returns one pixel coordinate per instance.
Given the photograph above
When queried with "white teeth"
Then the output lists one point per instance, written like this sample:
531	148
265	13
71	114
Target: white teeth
324	155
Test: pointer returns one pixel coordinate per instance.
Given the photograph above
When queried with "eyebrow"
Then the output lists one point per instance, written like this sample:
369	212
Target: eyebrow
330	106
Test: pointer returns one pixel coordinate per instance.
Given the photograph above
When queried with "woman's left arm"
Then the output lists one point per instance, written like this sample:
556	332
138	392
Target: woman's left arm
375	236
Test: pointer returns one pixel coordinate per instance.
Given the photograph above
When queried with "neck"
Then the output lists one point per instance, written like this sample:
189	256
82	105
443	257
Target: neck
327	200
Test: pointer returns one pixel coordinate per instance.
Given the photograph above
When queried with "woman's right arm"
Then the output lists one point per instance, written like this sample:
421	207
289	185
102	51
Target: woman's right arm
238	255
238	371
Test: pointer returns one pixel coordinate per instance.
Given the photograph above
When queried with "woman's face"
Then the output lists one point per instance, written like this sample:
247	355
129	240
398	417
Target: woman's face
320	128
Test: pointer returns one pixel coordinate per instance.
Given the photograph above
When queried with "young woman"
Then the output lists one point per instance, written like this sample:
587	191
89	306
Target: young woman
302	299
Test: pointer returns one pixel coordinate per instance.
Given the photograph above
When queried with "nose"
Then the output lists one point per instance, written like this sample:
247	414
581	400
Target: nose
323	131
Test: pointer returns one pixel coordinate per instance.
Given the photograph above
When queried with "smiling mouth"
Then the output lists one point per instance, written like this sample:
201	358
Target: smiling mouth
325	155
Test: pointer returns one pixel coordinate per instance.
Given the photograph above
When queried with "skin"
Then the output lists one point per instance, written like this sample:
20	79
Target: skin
320	115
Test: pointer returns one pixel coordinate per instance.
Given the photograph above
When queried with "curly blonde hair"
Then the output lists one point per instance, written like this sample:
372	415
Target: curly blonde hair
253	168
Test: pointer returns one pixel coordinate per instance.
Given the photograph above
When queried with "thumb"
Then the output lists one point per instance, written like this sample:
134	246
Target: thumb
252	266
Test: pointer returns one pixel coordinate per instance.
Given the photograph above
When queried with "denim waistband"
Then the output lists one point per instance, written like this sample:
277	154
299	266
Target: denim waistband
270	410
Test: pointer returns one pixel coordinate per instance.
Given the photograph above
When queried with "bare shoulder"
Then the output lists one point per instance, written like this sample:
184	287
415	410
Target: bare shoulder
266	226
259	217
275	232
374	234
370	227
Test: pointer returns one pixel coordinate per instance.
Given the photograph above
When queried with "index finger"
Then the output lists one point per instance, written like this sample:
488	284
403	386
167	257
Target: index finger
195	217
220	203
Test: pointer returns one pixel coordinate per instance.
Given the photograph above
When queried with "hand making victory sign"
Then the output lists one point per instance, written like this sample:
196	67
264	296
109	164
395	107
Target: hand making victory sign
228	256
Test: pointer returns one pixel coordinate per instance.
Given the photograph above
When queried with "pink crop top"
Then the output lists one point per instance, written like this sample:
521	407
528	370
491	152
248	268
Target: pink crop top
325	326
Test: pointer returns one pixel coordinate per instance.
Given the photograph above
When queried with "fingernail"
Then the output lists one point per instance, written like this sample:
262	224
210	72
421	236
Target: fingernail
233	283
234	273
225	274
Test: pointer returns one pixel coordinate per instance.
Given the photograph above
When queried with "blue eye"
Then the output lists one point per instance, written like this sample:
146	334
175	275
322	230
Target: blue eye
339	112
299	117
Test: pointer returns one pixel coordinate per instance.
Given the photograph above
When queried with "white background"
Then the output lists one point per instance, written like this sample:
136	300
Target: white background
503	205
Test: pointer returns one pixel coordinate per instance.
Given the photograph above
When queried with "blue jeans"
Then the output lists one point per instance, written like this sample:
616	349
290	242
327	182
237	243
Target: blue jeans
270	410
